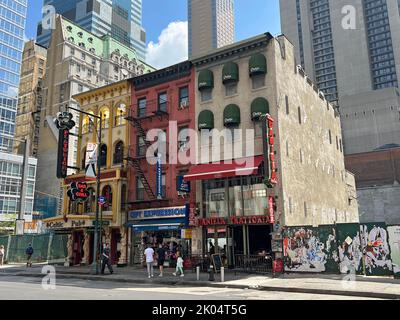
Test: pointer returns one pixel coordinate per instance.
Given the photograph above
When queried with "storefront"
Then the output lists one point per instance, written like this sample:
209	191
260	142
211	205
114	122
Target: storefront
237	209
166	226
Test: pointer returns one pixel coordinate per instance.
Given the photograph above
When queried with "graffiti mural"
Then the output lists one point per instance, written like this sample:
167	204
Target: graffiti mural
394	244
303	250
374	241
349	248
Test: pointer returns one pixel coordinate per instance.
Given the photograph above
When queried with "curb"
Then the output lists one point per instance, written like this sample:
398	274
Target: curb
364	294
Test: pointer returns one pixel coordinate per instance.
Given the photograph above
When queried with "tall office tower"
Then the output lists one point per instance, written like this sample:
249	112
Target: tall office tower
211	25
351	49
12	27
30	98
121	19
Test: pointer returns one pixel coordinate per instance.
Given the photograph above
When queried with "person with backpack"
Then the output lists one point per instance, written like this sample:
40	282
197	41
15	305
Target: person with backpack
29	253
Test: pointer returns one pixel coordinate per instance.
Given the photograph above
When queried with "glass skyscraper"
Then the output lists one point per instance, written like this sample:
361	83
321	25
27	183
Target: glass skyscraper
122	19
12	26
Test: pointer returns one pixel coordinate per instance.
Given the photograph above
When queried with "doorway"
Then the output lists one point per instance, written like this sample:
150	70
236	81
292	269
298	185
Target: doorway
259	239
78	247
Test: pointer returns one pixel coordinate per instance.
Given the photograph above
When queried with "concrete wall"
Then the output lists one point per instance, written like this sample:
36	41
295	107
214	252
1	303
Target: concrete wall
381	203
310	155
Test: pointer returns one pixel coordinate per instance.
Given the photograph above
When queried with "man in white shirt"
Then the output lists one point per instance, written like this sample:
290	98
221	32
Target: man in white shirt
149	254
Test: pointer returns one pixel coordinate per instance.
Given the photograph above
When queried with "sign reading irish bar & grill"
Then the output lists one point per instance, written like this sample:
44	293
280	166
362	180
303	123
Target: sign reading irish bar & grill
235	221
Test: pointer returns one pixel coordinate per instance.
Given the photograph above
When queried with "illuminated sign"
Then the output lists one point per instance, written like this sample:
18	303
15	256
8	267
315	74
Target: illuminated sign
158	213
78	192
235	221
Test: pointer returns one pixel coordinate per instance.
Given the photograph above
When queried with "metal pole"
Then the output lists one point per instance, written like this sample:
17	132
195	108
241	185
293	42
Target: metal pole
222	274
198	273
96	228
25	161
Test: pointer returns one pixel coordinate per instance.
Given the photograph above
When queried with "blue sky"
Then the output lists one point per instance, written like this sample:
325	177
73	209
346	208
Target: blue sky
252	16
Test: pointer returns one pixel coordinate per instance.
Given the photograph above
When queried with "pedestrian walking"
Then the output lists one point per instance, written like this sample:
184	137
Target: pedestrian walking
29	253
2	254
179	265
161	258
106	260
149	254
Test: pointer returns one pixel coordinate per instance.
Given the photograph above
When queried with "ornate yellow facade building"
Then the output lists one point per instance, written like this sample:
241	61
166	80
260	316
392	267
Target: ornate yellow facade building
111	104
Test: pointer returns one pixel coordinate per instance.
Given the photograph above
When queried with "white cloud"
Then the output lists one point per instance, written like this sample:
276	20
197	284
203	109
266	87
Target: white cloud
172	46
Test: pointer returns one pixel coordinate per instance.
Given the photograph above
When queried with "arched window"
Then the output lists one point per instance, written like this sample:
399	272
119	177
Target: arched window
105	118
87	124
119	153
107	193
103	155
123	197
90	204
120	115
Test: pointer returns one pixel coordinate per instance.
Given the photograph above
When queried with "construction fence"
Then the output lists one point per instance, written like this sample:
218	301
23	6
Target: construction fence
51	248
371	249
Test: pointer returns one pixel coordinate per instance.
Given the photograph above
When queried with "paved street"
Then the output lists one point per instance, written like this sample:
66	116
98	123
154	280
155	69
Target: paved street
26	288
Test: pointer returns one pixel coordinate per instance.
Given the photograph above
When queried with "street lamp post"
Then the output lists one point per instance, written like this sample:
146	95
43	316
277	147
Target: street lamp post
96	227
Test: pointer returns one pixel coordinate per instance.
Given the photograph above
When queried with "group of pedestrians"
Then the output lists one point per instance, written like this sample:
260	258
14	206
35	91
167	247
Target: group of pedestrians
151	255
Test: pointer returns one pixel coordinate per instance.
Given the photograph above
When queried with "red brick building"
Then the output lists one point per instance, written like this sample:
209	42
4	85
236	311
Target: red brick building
163	100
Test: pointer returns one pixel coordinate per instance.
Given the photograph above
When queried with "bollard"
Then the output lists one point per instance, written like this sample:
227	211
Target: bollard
211	274
222	274
198	273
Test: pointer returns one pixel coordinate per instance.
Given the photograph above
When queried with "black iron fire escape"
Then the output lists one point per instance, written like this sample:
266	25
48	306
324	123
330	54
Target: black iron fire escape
133	158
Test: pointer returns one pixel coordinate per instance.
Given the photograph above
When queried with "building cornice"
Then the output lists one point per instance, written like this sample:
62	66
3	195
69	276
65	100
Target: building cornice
232	50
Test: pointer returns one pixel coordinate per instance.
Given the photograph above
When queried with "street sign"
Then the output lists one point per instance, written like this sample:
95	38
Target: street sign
102	200
105	223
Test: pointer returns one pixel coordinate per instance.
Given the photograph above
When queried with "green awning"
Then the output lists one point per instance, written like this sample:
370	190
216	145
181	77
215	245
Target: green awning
206	80
230	73
257	64
206	120
231	115
259	107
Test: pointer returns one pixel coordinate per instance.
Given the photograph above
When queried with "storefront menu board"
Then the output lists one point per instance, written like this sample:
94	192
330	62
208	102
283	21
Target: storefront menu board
217	262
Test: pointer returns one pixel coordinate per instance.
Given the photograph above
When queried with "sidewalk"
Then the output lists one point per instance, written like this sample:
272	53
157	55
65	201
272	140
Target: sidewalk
372	287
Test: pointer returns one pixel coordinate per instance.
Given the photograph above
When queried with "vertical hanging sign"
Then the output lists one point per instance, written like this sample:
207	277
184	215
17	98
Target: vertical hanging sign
159	177
269	152
64	124
271	210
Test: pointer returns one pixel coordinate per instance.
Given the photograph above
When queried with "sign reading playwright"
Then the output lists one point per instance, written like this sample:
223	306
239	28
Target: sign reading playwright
159	213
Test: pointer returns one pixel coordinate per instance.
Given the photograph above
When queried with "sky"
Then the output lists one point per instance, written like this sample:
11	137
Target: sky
165	22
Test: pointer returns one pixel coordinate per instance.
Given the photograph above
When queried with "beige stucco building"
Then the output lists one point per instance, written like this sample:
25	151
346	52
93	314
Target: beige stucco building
235	85
30	99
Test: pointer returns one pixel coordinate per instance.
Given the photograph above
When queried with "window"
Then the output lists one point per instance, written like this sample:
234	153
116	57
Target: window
305	209
83	56
164	185
119	153
162	102
183	97
72	52
287	104
120	117
330	136
108	194
105	118
141	147
142	107
230	89
103	155
80	88
123	197
206	95
83	156
94	62
258	81
299	114
183	139
258	128
139	189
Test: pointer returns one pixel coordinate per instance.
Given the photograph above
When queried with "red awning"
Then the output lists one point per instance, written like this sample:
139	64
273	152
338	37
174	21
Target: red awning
225	169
